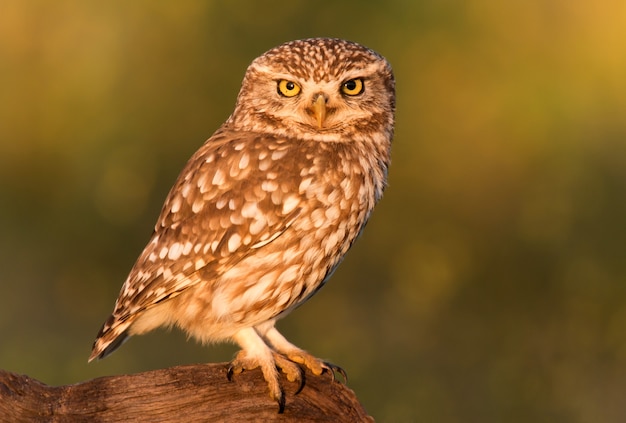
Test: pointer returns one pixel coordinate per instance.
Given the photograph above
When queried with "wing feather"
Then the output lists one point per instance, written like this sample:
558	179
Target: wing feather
221	208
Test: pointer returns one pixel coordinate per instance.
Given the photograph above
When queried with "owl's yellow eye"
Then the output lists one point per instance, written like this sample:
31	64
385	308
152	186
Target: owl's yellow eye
288	88
353	86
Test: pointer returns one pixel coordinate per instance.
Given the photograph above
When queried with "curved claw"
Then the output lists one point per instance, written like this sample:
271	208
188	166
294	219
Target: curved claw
332	369
230	371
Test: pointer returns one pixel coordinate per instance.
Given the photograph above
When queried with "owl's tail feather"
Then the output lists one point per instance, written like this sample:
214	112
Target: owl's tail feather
111	336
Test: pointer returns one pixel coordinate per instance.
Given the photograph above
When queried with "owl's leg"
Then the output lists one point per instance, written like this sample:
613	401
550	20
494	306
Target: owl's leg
255	353
280	344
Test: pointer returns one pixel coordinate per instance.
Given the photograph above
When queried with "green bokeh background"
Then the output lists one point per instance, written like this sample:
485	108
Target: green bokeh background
489	285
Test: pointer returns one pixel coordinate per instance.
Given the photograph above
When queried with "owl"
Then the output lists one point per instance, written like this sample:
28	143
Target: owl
264	211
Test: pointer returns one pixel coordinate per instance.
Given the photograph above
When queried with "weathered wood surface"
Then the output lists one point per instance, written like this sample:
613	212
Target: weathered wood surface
193	393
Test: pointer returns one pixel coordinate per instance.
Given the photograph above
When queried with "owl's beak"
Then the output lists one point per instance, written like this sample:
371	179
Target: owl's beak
319	110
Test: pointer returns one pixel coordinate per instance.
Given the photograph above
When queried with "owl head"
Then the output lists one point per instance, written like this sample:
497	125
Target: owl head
321	88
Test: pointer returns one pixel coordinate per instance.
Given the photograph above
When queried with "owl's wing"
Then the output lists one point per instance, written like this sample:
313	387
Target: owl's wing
232	198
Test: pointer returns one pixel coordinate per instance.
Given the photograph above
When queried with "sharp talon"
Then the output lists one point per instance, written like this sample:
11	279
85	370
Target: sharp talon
343	373
301	384
281	404
229	373
235	367
332	368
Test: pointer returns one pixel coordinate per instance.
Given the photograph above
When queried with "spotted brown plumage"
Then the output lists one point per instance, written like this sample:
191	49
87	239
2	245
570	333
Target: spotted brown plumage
266	209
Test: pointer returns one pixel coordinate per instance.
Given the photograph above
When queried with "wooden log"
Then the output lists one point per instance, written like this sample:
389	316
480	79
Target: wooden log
192	393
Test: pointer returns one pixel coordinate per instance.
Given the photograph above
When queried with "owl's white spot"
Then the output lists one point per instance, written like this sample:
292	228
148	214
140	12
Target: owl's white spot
187	248
176	203
304	184
201	182
221	203
279	154
332	213
197	205
176	249
187	265
158	292
152	257
288	275
277	197
331	242
291	255
290	203
311	255
236	218
143	276
249	209
167	273
239	146
333	197
200	263
231	204
264	165
224	221
257	226
206	248
244	161
185	190
234	242
210	158
259	194
305	224
163	253
219	178
263	154
214	245
318	218
269	186
347	186
196	248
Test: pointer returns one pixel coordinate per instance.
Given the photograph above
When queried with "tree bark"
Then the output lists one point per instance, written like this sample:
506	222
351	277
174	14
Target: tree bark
193	393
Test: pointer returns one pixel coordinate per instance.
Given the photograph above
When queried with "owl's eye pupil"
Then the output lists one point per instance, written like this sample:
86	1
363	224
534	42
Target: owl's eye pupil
290	85
351	85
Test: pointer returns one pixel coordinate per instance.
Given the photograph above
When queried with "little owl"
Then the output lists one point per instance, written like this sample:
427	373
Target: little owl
265	210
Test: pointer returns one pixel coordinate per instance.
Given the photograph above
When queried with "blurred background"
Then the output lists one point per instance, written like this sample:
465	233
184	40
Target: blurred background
489	285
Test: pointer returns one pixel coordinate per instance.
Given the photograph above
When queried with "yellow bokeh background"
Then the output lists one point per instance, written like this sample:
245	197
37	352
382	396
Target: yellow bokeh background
490	284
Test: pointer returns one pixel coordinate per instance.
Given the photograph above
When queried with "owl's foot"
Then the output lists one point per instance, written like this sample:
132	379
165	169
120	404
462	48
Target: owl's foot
256	353
243	361
293	372
295	354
